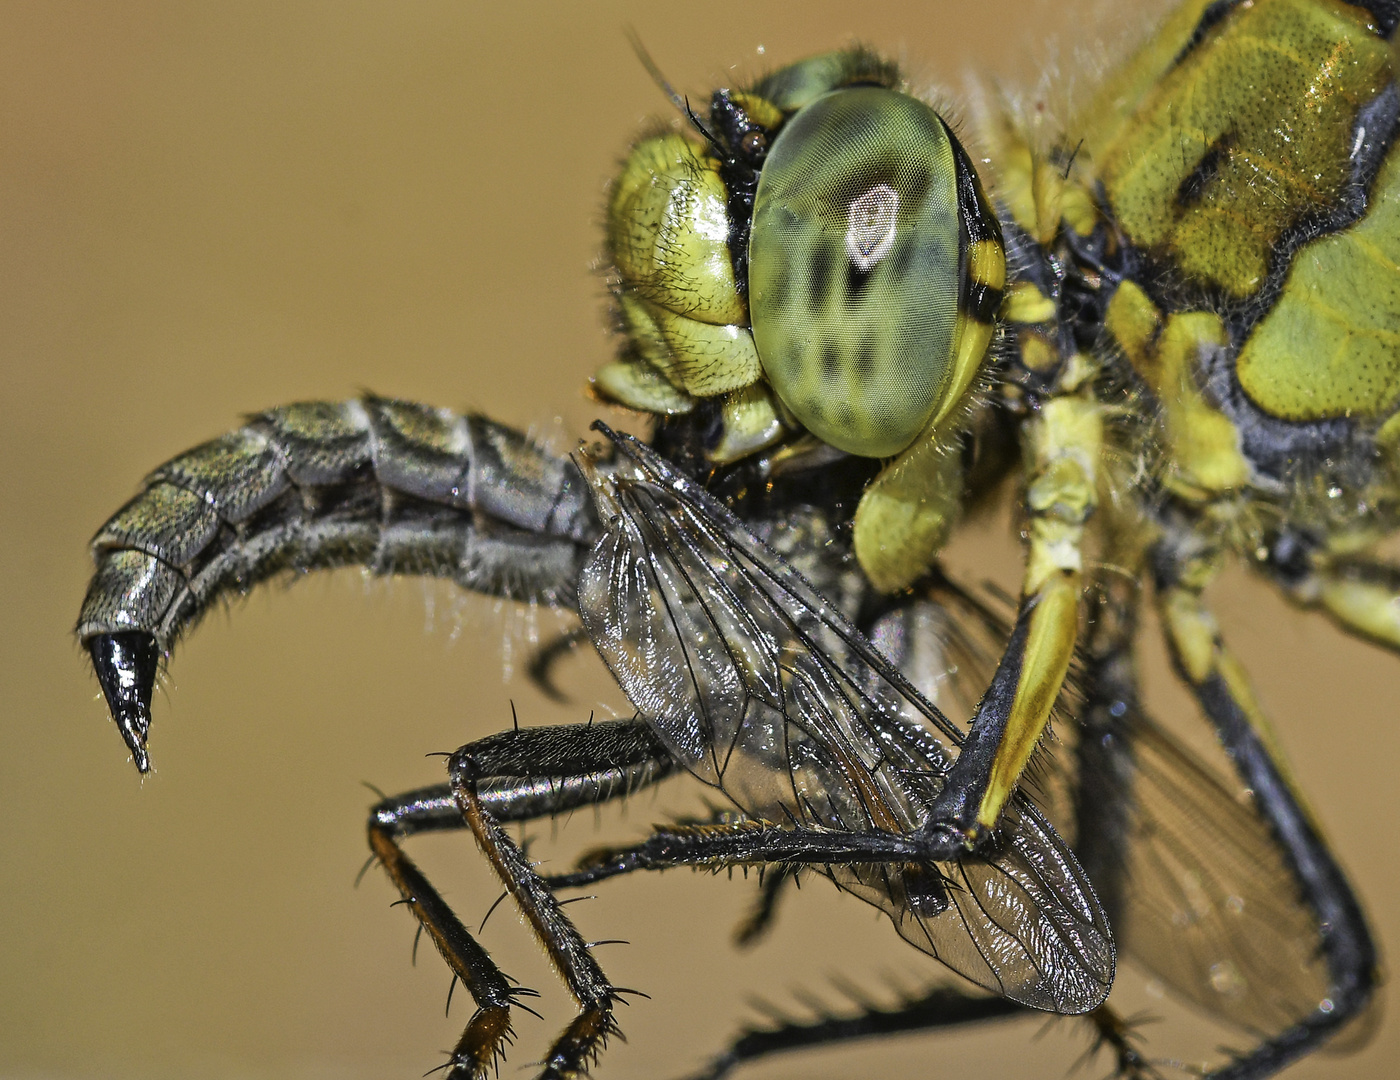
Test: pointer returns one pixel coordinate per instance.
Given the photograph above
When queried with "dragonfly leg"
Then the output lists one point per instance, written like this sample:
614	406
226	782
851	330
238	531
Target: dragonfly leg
1065	442
515	776
1360	594
759	920
1184	566
941	1007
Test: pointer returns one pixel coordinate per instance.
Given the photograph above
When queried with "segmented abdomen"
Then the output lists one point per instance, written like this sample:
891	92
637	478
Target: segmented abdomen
388	485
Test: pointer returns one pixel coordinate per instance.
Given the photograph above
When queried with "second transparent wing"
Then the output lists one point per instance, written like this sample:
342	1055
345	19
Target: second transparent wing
1209	905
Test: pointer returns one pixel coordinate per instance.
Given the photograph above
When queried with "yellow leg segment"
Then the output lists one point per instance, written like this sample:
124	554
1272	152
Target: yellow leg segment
1054	626
1363	607
1063	452
1200	652
1360	595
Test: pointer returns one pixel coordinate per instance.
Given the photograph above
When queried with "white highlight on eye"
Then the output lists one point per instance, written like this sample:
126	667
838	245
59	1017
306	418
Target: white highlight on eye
870	226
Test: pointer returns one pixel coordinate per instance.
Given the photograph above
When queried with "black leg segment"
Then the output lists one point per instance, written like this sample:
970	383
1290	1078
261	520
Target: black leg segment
517	776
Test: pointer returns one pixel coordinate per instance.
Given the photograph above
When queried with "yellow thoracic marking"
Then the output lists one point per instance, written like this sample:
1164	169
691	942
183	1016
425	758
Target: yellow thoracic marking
1330	347
1010	148
1078	209
1038	351
1111	111
1209	162
1203	446
1025	303
1032	186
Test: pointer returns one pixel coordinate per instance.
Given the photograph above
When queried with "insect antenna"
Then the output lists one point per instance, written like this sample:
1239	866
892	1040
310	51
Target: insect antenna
681	104
640	51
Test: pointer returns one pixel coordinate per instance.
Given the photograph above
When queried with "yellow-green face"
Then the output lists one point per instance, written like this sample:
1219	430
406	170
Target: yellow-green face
873	267
1250	159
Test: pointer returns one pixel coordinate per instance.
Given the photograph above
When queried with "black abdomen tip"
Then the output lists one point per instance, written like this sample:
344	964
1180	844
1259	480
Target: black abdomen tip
126	665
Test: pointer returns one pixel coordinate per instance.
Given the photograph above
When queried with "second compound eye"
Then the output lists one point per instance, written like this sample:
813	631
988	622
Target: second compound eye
854	267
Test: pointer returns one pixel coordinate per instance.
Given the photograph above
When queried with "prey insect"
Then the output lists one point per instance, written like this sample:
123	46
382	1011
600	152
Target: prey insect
845	342
747	678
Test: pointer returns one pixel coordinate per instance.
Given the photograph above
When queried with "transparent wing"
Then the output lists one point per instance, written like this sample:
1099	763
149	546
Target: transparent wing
1208	903
762	688
1213	909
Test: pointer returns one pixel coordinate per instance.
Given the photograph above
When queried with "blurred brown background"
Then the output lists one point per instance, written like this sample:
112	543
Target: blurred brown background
207	209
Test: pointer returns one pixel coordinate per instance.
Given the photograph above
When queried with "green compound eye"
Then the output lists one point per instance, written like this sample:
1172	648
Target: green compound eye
854	268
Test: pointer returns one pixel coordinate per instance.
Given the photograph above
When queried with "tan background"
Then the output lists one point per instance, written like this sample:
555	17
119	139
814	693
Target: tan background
209	209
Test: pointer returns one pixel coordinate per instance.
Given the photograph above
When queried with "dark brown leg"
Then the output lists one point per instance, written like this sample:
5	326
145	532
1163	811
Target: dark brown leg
515	776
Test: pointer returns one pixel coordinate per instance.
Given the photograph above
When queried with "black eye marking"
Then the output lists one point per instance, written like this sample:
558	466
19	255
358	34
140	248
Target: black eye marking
831	361
857	281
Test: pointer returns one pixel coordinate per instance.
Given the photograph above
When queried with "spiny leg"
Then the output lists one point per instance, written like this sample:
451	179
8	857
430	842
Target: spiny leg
1063	447
941	1007
1116	1035
1185	563
489	1029
1105	774
744	843
759	920
517	776
760	843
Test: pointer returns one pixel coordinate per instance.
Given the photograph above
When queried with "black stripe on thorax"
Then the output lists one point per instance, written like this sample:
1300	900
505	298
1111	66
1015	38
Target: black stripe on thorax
1373	135
1211	17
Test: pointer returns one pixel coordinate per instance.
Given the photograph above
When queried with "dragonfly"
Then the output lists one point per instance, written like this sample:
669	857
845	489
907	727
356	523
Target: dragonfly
841	330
